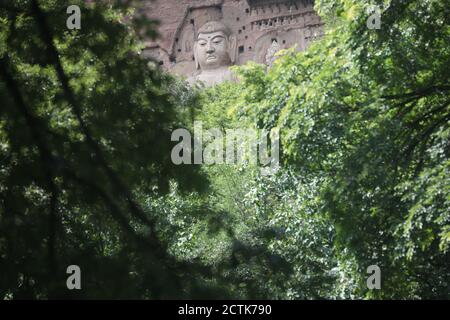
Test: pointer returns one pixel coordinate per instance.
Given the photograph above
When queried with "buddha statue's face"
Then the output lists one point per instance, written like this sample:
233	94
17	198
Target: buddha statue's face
212	50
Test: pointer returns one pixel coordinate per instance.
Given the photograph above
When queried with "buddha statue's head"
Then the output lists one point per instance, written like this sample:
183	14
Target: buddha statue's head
214	47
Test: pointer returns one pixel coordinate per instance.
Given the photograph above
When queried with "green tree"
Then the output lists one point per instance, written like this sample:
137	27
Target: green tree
365	114
85	122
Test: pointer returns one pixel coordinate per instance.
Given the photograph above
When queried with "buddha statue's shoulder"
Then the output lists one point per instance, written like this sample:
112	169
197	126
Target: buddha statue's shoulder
213	77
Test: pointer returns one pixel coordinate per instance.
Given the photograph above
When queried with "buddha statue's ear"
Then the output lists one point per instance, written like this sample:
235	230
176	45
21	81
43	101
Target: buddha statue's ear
232	49
197	63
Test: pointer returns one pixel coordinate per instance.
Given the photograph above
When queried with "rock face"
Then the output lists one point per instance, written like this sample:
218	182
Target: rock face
256	27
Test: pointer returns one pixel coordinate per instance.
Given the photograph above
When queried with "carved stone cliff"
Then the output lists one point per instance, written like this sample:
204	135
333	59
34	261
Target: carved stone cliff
257	25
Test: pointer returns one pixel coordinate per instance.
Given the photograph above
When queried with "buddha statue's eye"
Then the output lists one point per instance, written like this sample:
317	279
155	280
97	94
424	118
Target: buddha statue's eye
218	40
202	43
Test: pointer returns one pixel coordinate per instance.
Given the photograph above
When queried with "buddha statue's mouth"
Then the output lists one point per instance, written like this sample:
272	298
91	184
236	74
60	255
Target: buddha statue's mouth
211	57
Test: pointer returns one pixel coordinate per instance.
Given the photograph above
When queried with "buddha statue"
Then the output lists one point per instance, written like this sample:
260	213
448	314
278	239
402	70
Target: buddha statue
214	53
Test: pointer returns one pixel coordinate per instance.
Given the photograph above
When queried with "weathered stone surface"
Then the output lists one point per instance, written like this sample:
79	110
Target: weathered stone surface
259	27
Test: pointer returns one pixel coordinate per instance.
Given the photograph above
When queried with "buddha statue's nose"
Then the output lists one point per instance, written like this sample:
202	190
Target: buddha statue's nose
210	49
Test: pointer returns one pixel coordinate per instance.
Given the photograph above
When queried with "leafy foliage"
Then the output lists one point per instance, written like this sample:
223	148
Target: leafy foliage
364	113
